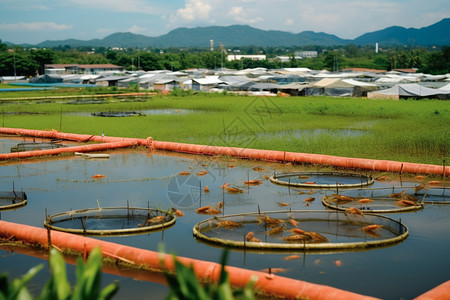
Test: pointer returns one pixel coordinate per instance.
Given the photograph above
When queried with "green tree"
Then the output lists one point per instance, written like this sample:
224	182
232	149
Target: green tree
42	57
18	62
292	61
111	56
3	47
437	62
148	61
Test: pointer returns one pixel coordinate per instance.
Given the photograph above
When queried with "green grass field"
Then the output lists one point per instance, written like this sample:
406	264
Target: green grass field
405	130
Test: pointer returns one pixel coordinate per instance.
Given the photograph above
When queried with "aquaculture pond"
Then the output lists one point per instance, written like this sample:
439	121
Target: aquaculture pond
143	112
141	178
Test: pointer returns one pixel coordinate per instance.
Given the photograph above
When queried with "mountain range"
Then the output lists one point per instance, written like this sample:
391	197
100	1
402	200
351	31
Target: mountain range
437	34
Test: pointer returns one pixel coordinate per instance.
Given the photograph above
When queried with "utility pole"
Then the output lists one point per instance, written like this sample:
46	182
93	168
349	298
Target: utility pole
14	58
222	49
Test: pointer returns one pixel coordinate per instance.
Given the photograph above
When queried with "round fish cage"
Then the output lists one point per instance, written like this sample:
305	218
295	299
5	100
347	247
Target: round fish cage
37	146
435	195
358	205
12	200
110	221
322	179
301	230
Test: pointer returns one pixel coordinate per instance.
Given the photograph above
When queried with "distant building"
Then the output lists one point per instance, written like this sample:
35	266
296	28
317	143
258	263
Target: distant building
363	70
63	69
283	58
306	54
232	57
410	70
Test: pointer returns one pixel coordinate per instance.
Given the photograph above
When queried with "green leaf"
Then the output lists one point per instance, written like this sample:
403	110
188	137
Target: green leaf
18	285
89	280
60	287
223	262
248	293
109	291
3	285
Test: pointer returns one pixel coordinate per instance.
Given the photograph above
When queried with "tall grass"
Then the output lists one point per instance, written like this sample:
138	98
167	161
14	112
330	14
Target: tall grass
407	130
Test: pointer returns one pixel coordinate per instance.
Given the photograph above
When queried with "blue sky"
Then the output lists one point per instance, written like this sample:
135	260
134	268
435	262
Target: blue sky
34	21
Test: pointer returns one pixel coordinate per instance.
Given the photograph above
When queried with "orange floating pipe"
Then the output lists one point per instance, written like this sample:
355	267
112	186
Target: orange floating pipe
441	292
83	148
268	155
54	134
277	286
280	156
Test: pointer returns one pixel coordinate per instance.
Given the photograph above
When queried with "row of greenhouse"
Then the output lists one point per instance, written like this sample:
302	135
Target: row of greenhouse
261	81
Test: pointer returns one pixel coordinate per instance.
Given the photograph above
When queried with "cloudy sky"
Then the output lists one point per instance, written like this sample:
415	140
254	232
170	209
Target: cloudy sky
34	21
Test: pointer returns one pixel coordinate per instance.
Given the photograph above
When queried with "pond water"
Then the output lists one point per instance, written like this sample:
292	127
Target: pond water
311	133
166	111
149	179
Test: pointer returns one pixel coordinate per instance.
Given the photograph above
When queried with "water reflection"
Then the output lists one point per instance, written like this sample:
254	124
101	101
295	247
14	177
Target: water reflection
303	133
143	112
143	179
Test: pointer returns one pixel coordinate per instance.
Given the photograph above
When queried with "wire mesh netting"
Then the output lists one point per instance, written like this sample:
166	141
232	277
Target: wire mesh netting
308	230
434	195
12	200
31	146
322	179
110	220
389	199
393	203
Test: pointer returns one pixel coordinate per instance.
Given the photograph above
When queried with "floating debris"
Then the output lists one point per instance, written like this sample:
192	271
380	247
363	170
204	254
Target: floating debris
252	182
291	257
98	176
259	169
309	199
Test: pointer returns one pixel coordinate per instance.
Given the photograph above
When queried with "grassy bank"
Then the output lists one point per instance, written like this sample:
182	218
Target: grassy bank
406	130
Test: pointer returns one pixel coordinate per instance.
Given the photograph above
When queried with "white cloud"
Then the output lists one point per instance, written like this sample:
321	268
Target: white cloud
194	10
25	5
129	6
138	30
34	26
288	22
241	15
236	11
344	18
105	31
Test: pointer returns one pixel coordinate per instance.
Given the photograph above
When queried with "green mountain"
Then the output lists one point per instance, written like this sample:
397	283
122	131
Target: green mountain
436	34
243	35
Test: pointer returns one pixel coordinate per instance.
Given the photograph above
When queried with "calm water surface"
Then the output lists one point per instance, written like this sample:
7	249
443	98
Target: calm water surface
145	179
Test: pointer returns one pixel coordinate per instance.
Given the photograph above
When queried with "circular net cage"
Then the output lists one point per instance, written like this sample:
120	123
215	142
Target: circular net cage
301	230
359	204
322	179
433	195
12	200
37	146
110	221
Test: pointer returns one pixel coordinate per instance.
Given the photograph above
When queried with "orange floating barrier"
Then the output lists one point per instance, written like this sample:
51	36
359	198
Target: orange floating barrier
83	148
278	286
268	155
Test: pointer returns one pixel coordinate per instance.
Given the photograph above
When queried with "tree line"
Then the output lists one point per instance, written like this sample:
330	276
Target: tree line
20	61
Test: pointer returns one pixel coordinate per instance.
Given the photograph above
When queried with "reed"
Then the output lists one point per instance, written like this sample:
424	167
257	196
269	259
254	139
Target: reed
406	130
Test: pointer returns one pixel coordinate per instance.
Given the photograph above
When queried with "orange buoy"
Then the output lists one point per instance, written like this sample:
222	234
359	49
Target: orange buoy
98	176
